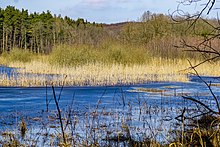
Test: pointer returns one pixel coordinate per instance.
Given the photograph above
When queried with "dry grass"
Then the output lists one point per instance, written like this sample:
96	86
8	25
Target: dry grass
93	74
40	72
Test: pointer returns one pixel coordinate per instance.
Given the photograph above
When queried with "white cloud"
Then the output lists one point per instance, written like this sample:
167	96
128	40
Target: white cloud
95	10
94	3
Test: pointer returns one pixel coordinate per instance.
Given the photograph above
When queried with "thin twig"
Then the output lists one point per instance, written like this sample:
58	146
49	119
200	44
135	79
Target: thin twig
209	87
59	115
201	103
62	88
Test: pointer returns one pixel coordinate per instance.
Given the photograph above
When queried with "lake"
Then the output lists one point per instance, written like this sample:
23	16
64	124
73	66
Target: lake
147	110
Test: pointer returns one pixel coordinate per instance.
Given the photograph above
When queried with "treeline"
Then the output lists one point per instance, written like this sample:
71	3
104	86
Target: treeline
160	34
151	26
39	32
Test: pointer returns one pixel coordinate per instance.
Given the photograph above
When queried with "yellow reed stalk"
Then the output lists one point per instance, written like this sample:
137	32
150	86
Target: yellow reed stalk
157	69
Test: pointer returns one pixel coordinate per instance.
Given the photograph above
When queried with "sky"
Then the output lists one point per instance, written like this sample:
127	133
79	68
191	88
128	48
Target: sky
102	11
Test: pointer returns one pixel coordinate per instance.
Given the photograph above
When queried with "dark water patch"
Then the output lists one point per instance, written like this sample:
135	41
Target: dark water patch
9	71
207	79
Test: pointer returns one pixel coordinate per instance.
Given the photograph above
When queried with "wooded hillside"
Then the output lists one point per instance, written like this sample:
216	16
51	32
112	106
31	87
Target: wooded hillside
39	32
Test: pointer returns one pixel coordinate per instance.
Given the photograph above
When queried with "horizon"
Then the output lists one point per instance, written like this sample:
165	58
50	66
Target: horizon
100	11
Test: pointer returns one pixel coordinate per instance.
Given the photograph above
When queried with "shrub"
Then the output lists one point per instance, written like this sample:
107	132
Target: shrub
18	55
125	54
65	55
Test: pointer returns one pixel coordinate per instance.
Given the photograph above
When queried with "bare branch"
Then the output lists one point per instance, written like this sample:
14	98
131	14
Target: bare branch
202	104
209	87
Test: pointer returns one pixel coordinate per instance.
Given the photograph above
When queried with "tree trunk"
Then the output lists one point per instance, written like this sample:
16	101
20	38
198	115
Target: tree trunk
6	40
25	40
14	39
3	39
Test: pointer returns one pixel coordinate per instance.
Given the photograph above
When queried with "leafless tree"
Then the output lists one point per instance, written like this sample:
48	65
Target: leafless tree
204	11
194	12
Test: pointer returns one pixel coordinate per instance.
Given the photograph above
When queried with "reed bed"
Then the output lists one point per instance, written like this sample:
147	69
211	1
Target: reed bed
41	73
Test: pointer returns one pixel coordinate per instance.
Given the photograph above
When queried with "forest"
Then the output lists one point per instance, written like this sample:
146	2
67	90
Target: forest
44	43
40	32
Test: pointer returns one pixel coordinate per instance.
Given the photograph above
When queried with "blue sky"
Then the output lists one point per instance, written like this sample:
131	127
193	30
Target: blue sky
105	11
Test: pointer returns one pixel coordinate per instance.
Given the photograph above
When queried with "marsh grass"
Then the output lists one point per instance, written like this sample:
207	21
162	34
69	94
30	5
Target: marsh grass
23	128
109	63
10	138
200	132
39	72
151	90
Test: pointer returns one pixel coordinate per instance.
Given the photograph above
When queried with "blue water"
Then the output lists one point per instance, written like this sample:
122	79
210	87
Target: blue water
123	102
23	99
30	101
